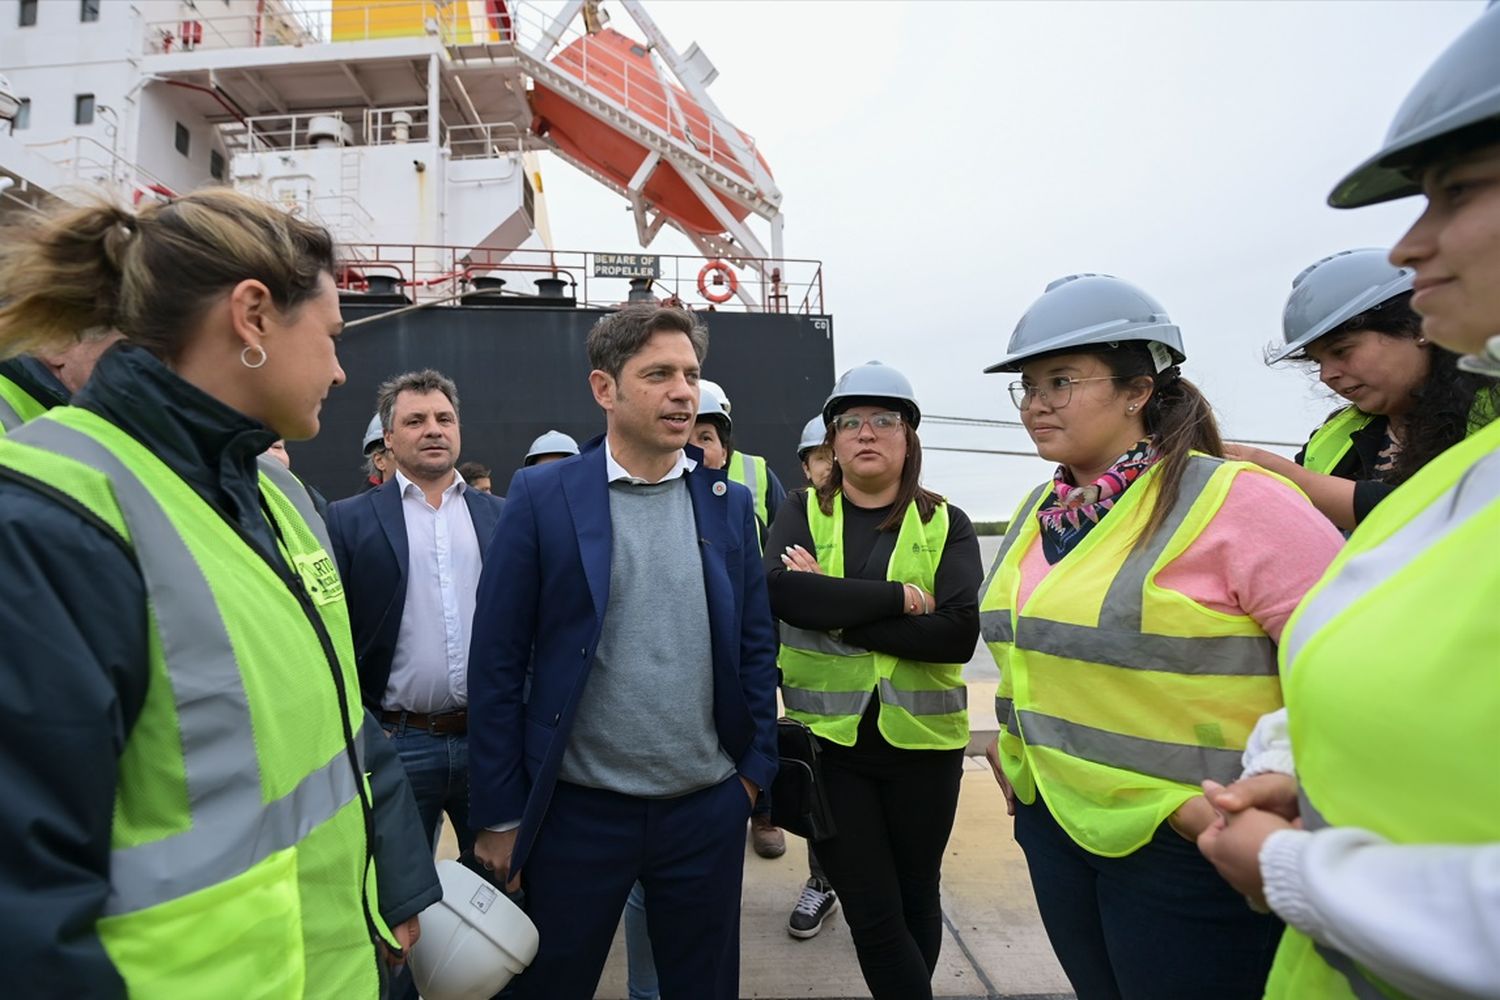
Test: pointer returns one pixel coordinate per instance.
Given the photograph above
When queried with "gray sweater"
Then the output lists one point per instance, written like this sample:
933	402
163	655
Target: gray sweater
645	724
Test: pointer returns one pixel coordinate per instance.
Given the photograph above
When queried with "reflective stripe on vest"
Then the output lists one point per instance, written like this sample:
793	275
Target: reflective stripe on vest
1122	612
1399	626
232	828
1095	620
748	471
996	626
1360	573
9	418
1331	442
828	684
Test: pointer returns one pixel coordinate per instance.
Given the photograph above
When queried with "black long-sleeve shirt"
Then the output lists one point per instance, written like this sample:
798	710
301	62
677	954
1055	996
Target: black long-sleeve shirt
869	608
1359	465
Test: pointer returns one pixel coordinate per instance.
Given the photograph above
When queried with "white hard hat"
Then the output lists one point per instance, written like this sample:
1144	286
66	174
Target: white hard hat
704	383
474	940
550	443
711	405
374	433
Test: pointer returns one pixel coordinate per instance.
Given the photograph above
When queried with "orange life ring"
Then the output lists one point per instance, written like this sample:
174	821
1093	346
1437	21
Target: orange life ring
731	283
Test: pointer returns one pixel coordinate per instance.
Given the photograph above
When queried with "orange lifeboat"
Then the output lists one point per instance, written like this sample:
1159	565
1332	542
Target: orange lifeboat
619	68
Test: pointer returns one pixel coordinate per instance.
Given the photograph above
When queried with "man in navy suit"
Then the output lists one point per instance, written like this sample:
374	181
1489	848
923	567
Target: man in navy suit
622	680
410	553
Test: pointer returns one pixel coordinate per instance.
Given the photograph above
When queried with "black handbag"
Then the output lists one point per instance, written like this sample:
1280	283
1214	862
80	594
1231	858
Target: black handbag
799	797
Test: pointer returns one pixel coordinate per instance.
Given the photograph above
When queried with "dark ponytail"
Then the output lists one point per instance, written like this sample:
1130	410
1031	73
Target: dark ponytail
1178	417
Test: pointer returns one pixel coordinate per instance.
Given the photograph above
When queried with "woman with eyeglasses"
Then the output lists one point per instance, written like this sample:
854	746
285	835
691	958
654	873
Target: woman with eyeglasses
874	579
1377	839
1133	610
1350	315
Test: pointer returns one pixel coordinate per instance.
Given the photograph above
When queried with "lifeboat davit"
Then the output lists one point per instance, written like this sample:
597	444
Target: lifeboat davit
619	68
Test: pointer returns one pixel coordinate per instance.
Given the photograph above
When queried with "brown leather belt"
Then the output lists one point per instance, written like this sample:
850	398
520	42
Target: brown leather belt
438	724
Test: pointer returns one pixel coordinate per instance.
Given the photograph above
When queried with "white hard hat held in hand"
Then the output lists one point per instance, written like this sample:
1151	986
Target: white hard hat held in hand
474	940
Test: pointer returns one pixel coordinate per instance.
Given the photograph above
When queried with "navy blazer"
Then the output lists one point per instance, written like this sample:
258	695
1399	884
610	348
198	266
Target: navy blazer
368	532
540	612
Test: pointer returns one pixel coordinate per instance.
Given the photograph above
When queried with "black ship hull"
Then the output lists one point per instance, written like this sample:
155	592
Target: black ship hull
521	370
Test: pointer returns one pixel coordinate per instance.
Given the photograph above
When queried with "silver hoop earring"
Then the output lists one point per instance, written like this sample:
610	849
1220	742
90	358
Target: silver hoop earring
245	360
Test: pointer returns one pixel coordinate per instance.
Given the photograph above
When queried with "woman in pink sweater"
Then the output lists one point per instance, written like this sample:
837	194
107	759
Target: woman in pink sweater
1133	610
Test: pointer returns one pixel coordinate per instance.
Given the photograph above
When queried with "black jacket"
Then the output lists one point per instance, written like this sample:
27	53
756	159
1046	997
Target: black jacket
73	676
36	379
1358	464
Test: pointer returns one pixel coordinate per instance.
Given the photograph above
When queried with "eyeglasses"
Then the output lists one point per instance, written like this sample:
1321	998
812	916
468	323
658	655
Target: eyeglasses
1056	393
887	422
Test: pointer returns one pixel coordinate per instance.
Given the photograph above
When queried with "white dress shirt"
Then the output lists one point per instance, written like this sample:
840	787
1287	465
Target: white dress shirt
618	472
430	666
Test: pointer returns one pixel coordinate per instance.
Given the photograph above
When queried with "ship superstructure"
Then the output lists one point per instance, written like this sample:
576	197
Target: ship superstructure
414	131
410	123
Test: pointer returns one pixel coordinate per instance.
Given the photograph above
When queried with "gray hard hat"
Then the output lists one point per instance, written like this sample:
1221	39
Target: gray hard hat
374	434
873	382
1335	290
1092	310
551	443
711	404
813	435
1459	91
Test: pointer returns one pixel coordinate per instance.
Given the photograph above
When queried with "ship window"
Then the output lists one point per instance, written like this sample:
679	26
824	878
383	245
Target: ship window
182	140
23	116
83	109
88	10
216	164
28	13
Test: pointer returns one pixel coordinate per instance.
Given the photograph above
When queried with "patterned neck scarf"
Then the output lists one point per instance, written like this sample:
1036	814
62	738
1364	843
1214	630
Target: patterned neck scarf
1070	512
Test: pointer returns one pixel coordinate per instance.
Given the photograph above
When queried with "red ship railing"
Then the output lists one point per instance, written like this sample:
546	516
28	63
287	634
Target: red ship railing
590	278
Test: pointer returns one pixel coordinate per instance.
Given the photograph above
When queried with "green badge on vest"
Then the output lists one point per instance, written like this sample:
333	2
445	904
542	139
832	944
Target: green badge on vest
320	576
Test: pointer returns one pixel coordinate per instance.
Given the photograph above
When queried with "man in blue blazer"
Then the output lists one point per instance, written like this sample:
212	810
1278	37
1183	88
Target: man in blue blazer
410	553
622	680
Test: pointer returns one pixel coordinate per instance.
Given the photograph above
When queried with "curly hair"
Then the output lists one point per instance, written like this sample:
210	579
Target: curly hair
1446	406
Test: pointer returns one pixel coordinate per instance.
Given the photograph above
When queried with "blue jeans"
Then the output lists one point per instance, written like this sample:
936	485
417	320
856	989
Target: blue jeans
640	963
1158	924
438	769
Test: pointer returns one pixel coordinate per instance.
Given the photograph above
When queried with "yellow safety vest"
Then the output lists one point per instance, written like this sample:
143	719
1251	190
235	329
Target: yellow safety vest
239	856
16	406
750	472
1392	689
827	683
1118	697
1330	443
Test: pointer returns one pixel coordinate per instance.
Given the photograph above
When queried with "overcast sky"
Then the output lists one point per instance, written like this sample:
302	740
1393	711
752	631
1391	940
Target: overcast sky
946	160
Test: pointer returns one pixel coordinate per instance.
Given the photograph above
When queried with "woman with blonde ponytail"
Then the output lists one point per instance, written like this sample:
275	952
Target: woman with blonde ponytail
195	799
1133	610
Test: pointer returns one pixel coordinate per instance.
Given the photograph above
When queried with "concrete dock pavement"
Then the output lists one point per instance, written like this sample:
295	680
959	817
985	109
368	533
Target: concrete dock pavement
993	943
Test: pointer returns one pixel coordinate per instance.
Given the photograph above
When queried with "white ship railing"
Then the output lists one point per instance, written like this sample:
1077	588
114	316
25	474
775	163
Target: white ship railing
283	133
486	141
87	161
382	128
